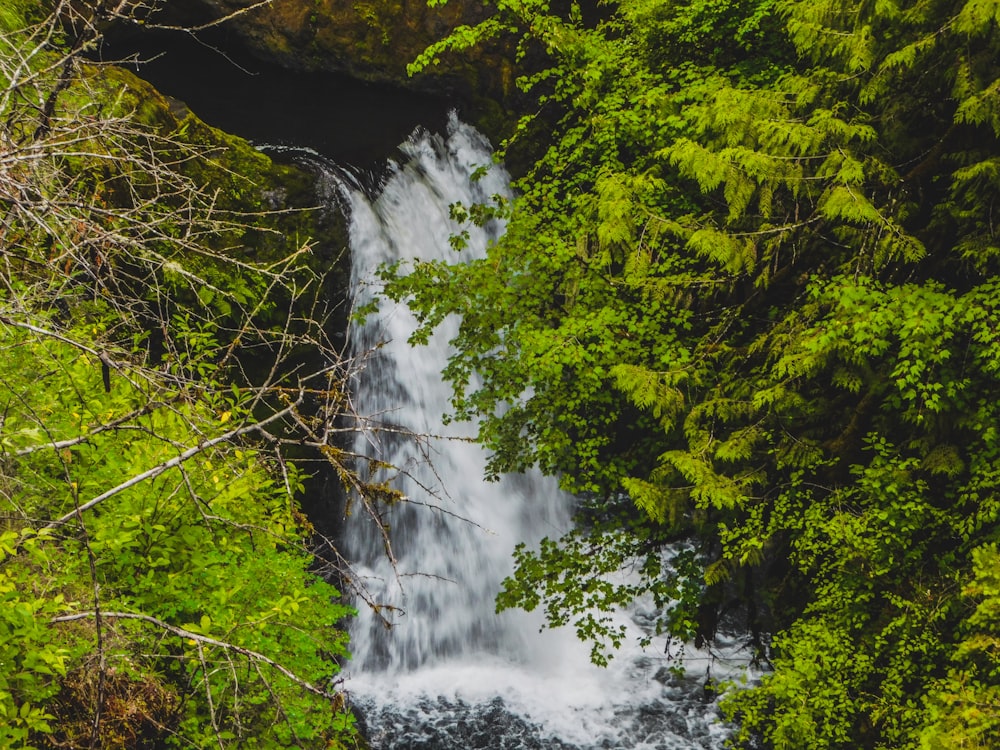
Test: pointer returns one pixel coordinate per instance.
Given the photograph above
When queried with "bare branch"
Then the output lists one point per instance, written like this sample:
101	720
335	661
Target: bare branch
204	640
114	424
176	461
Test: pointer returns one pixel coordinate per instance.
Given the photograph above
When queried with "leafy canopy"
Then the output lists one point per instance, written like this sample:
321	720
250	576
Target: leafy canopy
748	292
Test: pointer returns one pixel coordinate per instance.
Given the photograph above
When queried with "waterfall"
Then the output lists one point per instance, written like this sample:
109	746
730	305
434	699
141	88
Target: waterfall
435	666
453	539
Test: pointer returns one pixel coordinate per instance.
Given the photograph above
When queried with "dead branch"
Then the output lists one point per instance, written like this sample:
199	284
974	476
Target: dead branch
206	641
176	461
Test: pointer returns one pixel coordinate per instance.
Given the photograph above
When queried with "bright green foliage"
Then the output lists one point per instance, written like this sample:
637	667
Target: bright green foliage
33	661
156	583
214	547
962	710
749	282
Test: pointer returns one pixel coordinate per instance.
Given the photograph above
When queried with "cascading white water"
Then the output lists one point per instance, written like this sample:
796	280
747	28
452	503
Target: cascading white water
450	673
439	596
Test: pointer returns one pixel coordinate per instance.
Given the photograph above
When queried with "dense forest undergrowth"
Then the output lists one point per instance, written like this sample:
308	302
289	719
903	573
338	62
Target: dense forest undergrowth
164	347
748	292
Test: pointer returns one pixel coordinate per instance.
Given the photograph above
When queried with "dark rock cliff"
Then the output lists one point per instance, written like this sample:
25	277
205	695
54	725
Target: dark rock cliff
368	39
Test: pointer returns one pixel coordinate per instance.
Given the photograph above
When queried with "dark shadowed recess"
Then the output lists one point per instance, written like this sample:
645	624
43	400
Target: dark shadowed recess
351	122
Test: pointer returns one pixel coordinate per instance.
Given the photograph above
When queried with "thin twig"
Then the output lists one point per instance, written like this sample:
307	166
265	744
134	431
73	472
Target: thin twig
205	640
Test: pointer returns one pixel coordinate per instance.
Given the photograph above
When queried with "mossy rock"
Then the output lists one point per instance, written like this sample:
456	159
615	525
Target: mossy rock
371	40
279	202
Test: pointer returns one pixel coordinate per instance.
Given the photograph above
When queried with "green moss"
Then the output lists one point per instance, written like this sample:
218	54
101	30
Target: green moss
281	210
283	195
10	17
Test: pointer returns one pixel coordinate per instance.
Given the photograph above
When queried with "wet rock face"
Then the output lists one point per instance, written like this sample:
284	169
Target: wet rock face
369	39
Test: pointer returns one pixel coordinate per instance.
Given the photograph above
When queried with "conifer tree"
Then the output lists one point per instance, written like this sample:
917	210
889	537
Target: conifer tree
748	291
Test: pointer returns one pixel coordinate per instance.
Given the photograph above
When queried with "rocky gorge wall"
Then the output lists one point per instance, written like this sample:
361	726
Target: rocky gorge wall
372	40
